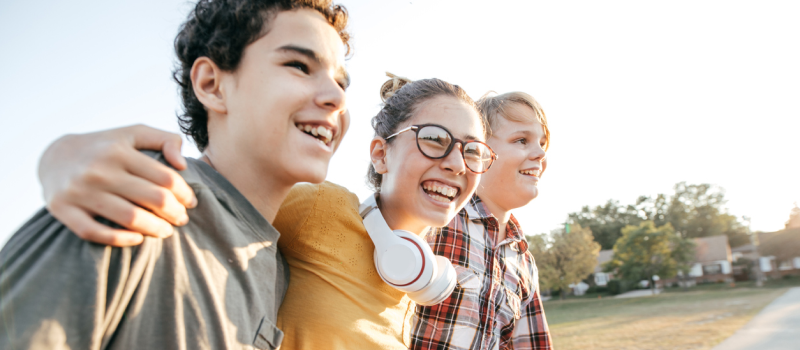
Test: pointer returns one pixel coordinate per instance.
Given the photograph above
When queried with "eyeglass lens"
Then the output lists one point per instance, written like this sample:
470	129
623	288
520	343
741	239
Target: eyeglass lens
434	141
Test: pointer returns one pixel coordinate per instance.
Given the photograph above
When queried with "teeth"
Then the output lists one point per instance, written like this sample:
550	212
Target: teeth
439	198
447	192
323	134
530	172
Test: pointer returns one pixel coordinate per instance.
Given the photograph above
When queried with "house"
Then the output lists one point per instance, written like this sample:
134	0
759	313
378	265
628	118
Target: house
746	255
601	278
780	252
712	263
712	260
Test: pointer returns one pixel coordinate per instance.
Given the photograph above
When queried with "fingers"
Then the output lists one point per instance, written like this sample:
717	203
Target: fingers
145	137
87	228
151	170
127	214
160	201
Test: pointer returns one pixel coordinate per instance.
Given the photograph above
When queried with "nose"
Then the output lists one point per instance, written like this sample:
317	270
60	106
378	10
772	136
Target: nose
538	154
330	95
454	161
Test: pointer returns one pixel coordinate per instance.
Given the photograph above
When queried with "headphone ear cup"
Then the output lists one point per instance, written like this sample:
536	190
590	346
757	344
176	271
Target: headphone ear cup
425	267
440	288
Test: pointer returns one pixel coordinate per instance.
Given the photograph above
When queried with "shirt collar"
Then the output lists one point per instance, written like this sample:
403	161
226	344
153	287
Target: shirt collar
478	211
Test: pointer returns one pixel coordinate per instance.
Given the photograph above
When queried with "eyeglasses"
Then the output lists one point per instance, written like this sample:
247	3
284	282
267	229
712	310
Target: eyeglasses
436	142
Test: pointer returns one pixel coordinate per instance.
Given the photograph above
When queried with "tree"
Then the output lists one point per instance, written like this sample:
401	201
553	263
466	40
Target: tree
693	211
564	257
697	211
606	221
647	250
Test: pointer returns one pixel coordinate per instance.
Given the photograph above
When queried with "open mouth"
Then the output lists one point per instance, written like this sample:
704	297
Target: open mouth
531	172
440	192
323	134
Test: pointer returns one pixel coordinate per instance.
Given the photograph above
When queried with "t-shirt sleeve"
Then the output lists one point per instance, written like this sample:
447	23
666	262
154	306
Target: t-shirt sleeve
58	291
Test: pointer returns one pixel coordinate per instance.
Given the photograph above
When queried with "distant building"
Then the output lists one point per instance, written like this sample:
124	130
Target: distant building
779	252
601	278
712	260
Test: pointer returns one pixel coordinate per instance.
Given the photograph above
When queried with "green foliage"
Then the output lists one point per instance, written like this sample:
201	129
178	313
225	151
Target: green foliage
564	258
693	211
646	250
620	286
606	221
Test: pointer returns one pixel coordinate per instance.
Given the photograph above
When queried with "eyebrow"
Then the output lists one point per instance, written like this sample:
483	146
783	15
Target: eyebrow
471	138
311	55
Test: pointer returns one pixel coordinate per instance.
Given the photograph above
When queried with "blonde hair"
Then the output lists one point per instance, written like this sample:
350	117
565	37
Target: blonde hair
493	106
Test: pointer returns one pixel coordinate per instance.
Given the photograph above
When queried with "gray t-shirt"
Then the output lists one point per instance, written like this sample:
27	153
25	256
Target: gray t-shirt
216	283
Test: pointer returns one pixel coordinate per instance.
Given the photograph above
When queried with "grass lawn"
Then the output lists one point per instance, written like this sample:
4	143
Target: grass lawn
698	318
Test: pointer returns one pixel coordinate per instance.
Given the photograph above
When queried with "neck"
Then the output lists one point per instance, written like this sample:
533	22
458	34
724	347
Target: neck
501	214
262	189
397	221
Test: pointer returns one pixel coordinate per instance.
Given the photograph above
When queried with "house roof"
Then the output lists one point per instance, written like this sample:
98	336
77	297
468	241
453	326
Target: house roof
602	258
714	248
784	243
747	248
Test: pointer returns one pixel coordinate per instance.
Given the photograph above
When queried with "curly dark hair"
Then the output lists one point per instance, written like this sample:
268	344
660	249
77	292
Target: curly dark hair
220	30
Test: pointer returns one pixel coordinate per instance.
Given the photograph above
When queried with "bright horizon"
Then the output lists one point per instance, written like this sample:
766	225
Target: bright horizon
639	96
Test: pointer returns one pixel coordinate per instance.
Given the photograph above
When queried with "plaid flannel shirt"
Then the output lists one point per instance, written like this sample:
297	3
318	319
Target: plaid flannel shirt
496	302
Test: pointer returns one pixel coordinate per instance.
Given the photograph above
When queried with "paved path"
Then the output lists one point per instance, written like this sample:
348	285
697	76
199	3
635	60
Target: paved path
777	327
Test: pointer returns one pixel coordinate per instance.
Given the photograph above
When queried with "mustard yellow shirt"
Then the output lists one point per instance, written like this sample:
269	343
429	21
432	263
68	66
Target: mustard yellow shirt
335	300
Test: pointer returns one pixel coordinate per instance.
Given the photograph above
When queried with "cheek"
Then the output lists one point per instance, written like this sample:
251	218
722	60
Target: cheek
406	164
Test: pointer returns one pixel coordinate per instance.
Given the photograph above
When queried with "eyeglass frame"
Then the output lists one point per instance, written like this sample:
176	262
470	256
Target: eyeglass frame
419	127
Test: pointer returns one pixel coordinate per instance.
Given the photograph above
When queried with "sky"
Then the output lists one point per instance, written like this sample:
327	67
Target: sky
639	95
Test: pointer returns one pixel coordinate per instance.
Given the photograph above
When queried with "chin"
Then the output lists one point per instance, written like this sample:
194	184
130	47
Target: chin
312	174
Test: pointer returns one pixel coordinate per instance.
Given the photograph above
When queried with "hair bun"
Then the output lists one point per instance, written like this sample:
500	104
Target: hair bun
391	86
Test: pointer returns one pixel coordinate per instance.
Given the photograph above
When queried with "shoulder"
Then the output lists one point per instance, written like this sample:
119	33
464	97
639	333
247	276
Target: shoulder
311	204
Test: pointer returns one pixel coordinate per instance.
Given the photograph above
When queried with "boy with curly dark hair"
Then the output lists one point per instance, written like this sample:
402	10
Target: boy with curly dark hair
255	77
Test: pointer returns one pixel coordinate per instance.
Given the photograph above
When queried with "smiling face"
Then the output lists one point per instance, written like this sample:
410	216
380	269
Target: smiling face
512	182
285	101
416	191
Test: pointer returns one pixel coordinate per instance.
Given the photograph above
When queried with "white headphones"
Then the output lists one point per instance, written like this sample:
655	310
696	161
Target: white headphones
405	261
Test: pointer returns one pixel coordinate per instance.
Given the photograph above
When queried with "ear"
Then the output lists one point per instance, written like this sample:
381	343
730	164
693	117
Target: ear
206	83
377	153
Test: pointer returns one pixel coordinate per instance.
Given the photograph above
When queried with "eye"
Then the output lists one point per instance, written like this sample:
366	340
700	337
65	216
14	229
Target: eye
523	141
299	65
